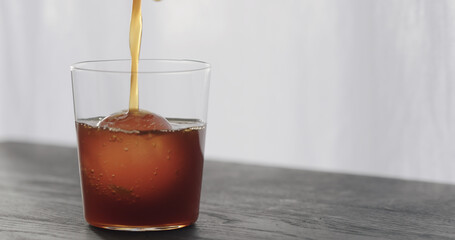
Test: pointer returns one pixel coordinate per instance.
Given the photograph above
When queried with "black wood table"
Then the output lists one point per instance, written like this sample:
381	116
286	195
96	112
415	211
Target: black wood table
40	199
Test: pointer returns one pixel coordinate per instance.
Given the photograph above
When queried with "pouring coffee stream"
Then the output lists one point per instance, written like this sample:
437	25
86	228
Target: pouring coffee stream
134	117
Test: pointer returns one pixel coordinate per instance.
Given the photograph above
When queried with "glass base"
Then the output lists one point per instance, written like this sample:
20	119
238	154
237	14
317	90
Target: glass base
140	228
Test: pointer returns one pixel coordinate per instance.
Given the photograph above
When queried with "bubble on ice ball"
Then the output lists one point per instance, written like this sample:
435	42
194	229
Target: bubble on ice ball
139	120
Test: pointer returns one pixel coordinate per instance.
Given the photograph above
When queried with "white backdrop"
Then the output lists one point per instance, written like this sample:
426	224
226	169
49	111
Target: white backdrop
353	86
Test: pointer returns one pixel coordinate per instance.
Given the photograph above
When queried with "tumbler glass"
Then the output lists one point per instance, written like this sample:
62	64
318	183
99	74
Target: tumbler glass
141	179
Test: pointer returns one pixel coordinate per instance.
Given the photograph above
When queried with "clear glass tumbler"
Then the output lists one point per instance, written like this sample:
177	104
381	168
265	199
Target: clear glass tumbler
134	175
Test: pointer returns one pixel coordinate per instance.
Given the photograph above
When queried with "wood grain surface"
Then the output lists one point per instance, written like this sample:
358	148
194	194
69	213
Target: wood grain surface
40	198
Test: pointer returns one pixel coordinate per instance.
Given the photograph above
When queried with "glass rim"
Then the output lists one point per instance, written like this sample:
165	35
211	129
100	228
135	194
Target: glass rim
80	66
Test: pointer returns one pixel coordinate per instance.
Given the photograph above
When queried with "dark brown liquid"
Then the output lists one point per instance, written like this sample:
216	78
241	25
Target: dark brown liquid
136	171
140	178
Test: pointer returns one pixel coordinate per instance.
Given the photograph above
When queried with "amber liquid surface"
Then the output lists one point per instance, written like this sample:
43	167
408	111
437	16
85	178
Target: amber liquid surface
141	178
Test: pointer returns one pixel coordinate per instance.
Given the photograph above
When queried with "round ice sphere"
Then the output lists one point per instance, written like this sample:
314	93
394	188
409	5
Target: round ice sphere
139	120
